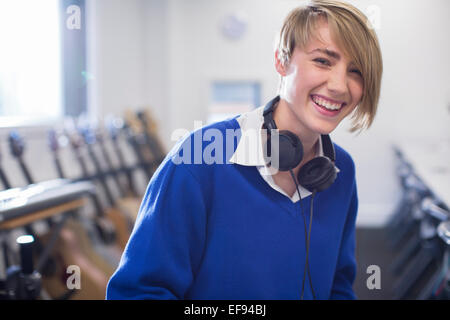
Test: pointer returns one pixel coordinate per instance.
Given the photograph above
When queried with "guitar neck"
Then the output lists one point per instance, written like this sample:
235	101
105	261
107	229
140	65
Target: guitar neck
101	175
4	179
154	145
81	161
58	166
136	145
150	135
25	171
111	168
123	166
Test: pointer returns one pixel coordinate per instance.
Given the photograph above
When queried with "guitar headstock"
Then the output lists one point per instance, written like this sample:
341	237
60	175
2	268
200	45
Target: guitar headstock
16	144
52	138
76	141
99	135
148	121
133	123
87	134
150	126
72	135
57	139
114	125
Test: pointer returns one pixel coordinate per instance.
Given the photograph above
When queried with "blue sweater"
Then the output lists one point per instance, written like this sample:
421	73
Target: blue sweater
219	231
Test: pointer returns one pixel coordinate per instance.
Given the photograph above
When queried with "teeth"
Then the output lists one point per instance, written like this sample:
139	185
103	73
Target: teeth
326	104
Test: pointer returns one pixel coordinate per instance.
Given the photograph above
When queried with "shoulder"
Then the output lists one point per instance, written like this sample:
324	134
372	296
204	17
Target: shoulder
209	144
344	161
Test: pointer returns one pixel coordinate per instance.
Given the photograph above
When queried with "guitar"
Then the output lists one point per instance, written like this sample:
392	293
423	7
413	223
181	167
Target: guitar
136	139
127	204
100	141
150	129
54	264
114	127
103	226
145	128
3	177
4	244
121	223
66	250
17	146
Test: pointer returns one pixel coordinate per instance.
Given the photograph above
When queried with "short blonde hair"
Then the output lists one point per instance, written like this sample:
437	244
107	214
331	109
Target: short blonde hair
351	30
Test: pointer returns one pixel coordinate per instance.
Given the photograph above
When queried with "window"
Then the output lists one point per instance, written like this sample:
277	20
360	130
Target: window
35	68
230	98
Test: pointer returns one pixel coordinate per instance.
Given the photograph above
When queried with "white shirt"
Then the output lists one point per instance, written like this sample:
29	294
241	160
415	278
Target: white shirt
249	151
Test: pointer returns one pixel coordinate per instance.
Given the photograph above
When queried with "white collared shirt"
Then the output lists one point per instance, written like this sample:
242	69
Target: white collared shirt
249	151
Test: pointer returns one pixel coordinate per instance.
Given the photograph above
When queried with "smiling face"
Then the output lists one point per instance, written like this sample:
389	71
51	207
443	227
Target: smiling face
321	85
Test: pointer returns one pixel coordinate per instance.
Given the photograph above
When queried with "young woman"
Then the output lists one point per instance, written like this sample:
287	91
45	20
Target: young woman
274	218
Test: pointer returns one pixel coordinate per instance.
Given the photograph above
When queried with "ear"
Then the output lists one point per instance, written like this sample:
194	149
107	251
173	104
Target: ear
279	65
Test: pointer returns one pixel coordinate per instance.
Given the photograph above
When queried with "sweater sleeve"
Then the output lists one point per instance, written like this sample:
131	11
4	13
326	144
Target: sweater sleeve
346	267
166	245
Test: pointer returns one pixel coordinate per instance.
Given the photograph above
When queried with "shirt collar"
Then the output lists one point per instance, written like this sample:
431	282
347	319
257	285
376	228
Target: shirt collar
249	151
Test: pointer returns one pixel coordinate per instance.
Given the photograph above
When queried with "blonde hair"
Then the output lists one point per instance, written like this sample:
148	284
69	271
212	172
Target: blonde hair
351	30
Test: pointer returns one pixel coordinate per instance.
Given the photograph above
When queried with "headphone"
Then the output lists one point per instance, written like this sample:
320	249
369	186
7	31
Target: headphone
316	175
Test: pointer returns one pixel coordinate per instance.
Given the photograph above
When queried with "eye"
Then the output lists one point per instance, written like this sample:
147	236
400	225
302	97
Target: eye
322	61
356	71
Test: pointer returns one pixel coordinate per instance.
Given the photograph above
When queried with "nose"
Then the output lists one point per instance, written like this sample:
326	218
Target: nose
338	83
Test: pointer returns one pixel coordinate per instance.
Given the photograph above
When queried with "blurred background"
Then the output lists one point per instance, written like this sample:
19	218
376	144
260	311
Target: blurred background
97	64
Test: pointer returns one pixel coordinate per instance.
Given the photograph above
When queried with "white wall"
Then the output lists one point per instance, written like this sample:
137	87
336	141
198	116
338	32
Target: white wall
115	31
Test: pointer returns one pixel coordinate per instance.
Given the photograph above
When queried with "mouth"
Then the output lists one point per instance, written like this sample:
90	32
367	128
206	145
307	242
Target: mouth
327	106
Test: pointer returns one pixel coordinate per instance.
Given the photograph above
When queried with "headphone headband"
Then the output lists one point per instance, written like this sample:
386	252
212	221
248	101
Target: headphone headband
269	123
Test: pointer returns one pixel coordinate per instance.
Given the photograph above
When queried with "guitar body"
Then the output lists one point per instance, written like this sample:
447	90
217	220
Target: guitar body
122	226
75	248
130	206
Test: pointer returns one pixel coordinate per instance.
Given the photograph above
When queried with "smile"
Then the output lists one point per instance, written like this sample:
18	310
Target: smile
327	103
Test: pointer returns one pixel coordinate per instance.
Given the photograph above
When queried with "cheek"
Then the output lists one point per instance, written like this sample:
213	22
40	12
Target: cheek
304	79
356	89
311	79
349	111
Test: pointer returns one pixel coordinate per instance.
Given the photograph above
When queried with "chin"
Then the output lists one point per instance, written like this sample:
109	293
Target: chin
324	128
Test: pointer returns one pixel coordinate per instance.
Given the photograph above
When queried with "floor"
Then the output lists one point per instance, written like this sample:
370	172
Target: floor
372	248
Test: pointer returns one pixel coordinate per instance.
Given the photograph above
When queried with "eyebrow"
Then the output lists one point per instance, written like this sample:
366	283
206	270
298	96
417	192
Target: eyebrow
329	53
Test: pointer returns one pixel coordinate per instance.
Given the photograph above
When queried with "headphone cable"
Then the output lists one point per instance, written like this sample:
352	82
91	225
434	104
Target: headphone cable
307	248
307	237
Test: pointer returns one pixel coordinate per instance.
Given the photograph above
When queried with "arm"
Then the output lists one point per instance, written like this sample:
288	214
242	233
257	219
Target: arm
346	266
167	242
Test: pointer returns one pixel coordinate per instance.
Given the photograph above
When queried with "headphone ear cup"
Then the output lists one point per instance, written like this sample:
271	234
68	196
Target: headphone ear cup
290	151
317	175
